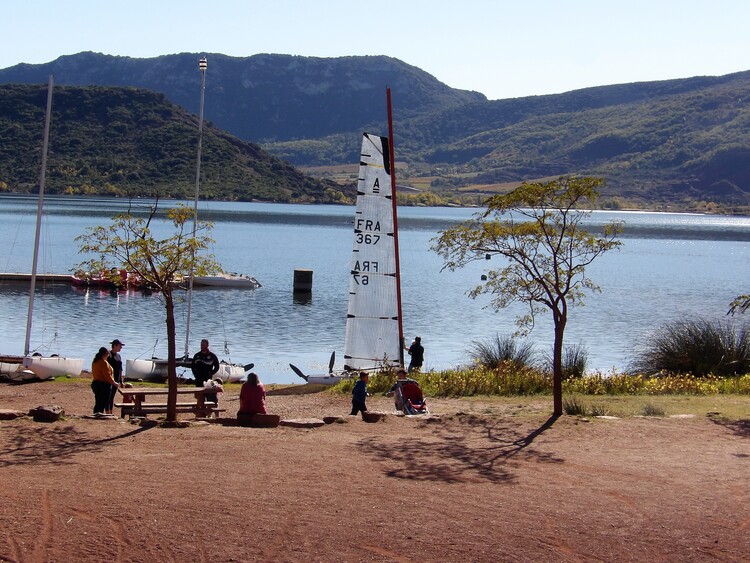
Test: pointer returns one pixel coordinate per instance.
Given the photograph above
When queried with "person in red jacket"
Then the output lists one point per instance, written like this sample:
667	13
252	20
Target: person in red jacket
252	396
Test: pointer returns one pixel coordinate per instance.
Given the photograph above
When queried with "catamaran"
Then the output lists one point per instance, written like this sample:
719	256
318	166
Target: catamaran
156	369
35	366
374	329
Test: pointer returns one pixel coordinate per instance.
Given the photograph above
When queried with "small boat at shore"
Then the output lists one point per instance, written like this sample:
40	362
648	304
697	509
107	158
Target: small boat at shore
374	332
29	368
156	370
34	366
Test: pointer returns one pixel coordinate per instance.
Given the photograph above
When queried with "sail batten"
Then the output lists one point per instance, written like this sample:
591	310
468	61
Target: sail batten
373	323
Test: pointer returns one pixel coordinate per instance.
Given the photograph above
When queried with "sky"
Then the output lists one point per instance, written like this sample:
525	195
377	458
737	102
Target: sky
501	48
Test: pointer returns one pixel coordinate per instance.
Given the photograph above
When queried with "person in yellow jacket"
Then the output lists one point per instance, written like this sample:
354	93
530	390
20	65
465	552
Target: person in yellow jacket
103	380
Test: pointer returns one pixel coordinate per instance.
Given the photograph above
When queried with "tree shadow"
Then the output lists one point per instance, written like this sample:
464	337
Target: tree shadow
53	445
739	427
461	449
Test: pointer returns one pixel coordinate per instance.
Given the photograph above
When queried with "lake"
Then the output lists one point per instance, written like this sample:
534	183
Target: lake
670	266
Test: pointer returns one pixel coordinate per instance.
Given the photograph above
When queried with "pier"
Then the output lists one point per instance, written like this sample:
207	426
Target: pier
42	278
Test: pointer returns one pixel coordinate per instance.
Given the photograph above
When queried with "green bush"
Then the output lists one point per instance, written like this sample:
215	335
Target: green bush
491	353
696	347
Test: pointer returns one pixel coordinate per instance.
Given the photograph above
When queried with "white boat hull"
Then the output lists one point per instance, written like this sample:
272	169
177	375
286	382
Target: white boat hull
156	370
326	379
226	280
145	370
40	367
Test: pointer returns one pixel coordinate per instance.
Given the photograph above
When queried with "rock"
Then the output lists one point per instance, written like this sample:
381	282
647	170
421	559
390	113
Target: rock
302	422
47	413
258	420
332	419
371	416
7	414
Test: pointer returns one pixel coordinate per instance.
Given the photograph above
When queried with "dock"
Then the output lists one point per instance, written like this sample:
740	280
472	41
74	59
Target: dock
42	278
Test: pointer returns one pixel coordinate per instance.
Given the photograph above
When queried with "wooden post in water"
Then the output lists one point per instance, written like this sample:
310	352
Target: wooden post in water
303	281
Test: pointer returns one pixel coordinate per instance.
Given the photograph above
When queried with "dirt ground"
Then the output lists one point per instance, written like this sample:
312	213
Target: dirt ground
473	483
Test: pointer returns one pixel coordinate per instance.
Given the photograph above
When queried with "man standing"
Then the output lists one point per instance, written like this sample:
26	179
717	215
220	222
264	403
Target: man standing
115	361
416	351
205	364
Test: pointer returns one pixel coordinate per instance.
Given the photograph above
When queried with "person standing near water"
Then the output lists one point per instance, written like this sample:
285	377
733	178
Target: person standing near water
416	351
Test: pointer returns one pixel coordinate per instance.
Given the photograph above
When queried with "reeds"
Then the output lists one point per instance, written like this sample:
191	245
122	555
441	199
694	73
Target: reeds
697	347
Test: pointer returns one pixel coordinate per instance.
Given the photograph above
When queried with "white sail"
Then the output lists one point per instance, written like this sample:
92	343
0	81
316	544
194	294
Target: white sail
373	323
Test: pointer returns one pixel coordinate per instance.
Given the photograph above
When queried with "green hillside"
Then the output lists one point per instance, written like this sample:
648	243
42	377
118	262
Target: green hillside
125	141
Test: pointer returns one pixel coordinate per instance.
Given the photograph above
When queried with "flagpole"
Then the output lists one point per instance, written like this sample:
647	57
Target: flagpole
202	66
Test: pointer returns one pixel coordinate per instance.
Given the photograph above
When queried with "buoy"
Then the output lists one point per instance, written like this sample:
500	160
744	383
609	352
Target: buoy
303	281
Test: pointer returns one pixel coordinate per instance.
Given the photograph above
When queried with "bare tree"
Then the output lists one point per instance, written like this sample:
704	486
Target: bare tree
537	228
161	264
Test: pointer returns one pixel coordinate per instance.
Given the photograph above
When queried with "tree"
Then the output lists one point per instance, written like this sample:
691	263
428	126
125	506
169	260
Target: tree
537	229
740	305
161	264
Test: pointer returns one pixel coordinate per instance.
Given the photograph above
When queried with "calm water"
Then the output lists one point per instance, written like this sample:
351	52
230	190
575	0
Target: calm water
671	266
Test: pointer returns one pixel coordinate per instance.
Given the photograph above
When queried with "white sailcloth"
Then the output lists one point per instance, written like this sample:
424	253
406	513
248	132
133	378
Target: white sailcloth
372	324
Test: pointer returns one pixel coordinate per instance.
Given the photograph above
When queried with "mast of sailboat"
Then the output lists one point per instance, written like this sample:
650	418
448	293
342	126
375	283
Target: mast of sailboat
395	228
40	207
202	66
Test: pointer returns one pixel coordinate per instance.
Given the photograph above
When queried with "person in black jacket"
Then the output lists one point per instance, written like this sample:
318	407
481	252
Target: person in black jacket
359	394
416	351
204	365
115	361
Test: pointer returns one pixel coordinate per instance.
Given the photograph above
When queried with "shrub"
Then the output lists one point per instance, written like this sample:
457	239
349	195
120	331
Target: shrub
697	347
574	361
574	406
650	409
491	353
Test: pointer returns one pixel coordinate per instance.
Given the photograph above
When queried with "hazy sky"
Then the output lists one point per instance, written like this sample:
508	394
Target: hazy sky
502	48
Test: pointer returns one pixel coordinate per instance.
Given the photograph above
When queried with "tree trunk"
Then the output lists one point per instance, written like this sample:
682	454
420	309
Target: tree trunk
557	366
171	361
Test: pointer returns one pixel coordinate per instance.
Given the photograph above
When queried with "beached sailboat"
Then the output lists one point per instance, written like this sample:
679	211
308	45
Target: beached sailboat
156	369
374	333
35	366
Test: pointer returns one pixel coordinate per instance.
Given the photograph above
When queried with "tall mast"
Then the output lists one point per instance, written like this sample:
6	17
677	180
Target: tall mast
395	229
202	66
39	209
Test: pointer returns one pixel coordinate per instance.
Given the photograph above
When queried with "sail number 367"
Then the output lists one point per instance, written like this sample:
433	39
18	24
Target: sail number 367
368	238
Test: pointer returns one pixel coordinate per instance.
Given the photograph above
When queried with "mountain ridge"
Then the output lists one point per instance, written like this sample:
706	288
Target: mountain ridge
679	143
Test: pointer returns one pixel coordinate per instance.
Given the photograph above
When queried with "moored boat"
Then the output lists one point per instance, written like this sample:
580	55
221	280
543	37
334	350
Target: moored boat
374	333
26	368
43	367
237	281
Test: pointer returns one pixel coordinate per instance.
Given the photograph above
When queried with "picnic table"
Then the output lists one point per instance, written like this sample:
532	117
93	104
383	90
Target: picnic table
142	401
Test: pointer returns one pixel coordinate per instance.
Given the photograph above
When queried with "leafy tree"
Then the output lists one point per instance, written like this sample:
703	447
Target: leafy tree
740	305
162	264
537	228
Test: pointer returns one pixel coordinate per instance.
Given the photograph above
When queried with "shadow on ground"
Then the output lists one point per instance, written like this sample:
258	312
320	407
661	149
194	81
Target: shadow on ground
51	444
463	448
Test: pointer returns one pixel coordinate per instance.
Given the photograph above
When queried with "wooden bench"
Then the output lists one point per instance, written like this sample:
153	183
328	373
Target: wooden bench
135	402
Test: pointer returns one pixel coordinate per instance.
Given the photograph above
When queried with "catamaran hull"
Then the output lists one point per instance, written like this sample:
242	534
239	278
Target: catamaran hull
156	370
39	367
326	379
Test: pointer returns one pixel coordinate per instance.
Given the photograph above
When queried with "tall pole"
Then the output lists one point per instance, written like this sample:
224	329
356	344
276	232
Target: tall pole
202	66
39	209
395	228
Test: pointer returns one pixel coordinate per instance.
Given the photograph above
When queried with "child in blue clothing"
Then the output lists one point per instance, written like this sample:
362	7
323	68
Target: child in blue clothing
359	394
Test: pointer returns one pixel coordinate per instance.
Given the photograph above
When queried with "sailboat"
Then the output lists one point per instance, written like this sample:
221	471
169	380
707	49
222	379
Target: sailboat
155	369
35	366
374	330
